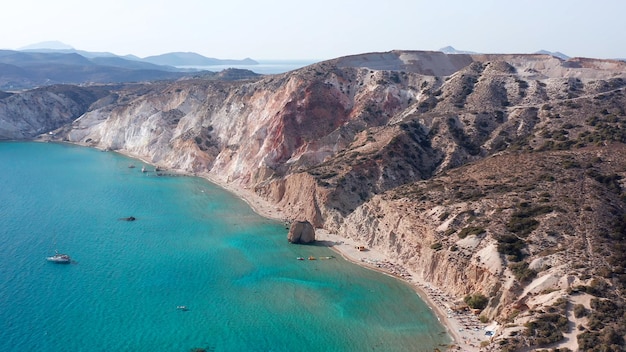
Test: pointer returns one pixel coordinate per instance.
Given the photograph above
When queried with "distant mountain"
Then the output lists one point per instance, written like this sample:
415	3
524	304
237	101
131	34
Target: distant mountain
558	54
48	62
117	61
70	50
50	45
167	59
451	50
193	59
28	69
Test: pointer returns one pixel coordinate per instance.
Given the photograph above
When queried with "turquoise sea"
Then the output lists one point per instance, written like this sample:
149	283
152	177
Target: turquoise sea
192	244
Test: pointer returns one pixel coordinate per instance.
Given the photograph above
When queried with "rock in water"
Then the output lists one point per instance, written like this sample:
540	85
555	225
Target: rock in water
301	232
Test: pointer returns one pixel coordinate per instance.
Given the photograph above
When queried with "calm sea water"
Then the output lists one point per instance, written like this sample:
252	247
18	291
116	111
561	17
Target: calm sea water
264	67
192	244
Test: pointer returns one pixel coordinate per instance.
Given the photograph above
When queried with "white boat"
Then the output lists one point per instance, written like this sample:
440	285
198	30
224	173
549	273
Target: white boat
59	258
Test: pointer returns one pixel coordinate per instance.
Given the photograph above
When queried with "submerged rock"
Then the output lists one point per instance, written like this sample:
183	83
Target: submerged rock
301	232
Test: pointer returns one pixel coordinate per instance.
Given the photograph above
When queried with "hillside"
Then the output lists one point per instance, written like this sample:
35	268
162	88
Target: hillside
495	176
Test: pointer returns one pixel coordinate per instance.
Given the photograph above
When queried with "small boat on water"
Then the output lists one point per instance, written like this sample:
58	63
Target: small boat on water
311	258
59	258
300	258
183	308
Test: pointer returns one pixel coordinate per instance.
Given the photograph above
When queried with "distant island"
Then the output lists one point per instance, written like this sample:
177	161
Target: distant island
192	59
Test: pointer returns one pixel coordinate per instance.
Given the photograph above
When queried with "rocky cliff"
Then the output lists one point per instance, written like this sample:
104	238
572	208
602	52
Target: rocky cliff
496	175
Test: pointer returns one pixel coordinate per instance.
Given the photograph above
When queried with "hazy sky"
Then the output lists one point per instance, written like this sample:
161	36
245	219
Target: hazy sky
320	29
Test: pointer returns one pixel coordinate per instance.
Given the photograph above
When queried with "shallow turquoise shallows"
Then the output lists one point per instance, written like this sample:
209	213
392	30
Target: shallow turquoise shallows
192	244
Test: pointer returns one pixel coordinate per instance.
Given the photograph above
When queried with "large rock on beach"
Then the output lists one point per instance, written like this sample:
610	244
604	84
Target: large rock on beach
301	232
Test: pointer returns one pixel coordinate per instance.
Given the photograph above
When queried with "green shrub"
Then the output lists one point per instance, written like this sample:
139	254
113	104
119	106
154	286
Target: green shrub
549	327
436	246
570	164
511	246
522	226
547	177
606	341
543	332
471	230
522	222
580	311
476	301
522	272
588	340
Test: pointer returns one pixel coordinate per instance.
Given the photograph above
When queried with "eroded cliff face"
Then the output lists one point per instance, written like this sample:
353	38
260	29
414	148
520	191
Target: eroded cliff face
480	172
26	115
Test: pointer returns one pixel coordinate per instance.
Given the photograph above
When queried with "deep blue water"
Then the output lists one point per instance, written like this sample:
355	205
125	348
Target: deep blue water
192	244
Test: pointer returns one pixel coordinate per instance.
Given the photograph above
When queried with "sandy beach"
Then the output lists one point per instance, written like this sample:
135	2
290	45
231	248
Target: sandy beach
464	327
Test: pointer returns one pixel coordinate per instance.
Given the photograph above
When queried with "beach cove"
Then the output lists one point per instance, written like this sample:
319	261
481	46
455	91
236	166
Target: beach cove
464	327
192	244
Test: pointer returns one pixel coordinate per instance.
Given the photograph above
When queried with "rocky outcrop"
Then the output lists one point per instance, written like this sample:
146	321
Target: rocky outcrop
301	232
28	114
491	174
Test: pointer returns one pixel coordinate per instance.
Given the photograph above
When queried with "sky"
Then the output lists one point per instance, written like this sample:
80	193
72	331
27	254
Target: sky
317	30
